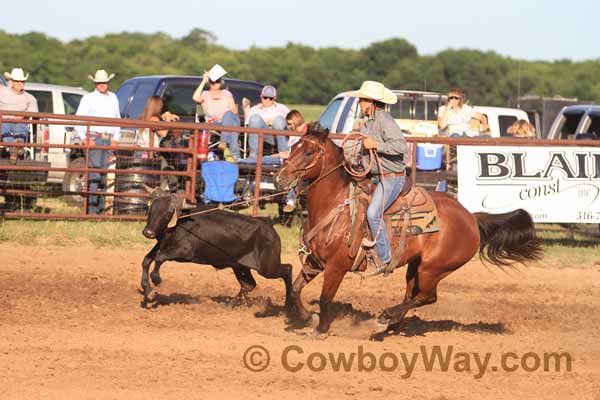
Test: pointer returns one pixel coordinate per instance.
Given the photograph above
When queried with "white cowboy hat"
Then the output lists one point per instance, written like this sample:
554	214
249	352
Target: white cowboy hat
375	91
216	73
16	75
101	76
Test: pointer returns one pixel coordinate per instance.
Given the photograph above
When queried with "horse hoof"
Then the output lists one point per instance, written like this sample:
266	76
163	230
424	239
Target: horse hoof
314	321
315	334
382	323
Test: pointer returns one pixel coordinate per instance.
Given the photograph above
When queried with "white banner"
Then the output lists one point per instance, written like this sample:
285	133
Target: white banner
554	184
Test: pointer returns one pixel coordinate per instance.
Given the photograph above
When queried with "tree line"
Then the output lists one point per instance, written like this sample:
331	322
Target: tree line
302	74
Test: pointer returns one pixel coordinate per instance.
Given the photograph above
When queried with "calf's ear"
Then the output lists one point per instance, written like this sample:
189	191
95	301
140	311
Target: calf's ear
173	221
176	210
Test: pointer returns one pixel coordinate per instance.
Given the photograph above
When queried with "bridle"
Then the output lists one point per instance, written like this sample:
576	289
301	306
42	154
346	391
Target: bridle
310	165
313	162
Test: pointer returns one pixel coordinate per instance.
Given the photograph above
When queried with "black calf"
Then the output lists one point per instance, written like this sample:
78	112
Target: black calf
218	238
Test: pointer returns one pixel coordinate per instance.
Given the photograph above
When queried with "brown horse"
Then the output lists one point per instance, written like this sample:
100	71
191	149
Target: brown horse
499	238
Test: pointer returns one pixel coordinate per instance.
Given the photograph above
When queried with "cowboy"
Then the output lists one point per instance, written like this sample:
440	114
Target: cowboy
383	136
16	98
99	103
267	114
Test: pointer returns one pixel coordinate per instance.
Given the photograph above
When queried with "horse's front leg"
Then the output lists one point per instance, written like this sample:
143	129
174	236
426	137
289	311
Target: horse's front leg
304	277
331	282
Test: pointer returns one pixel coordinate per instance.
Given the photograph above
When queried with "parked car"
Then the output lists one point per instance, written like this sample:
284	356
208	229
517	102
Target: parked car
176	92
542	111
577	121
54	99
415	112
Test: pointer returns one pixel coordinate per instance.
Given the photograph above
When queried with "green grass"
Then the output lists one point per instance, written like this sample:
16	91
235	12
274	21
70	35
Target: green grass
105	234
310	112
562	246
570	248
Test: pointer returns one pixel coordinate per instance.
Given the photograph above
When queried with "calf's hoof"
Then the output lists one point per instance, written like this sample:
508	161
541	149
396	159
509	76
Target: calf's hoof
150	296
156	279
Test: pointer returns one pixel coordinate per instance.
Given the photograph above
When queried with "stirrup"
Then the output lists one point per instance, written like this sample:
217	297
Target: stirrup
380	268
378	271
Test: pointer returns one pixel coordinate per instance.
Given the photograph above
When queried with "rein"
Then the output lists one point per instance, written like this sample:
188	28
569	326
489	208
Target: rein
232	204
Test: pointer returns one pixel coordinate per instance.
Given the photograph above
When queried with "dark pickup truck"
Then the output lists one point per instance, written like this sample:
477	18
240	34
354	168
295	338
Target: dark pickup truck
176	92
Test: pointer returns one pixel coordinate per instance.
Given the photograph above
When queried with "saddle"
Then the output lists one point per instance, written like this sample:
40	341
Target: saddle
413	213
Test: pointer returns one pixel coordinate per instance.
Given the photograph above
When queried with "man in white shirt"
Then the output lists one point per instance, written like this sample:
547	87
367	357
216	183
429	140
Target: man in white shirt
99	103
267	114
15	98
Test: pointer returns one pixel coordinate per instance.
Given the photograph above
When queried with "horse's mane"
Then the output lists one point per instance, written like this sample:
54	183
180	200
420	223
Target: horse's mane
315	131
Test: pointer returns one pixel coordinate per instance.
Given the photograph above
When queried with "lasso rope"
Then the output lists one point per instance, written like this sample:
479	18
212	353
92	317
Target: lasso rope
372	156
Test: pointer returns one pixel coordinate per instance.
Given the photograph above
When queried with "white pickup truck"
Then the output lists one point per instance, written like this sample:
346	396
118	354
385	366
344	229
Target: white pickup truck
416	113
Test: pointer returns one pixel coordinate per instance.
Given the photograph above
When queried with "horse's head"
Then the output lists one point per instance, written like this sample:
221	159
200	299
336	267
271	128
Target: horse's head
306	159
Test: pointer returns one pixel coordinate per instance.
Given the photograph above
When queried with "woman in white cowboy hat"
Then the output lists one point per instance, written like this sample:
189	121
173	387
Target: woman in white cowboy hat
384	136
219	106
15	98
99	103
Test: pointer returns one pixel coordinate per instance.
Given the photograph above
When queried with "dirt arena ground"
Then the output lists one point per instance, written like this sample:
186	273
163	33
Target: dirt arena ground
71	327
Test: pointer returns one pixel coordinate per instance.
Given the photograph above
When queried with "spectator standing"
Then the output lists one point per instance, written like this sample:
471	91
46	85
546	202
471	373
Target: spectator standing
99	103
219	106
15	98
267	114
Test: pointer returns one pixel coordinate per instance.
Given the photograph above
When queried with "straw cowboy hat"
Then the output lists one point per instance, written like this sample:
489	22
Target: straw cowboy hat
16	75
216	73
375	91
101	76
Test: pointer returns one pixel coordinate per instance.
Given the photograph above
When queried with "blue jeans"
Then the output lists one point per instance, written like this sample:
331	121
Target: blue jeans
14	132
393	186
279	123
97	181
231	138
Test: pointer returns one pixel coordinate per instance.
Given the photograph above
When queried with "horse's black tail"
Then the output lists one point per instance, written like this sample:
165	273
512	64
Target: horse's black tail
507	238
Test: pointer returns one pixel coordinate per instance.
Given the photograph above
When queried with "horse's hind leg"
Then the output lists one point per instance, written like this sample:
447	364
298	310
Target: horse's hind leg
400	310
247	284
421	289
